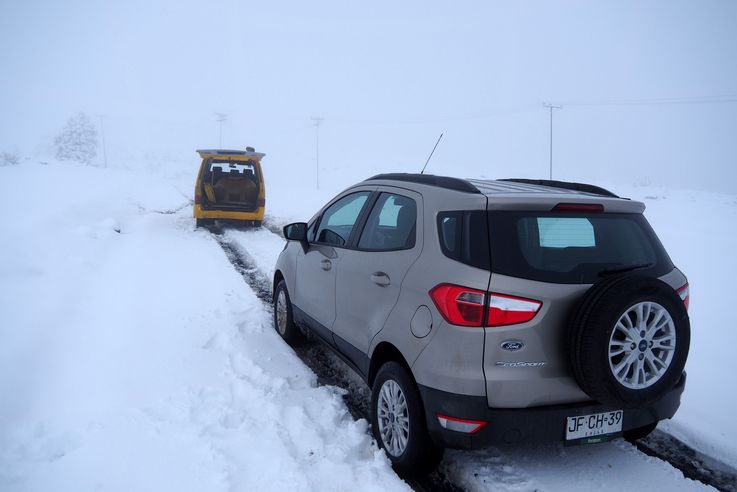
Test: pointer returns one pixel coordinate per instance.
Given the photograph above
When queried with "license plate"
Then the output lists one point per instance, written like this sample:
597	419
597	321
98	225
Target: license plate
595	427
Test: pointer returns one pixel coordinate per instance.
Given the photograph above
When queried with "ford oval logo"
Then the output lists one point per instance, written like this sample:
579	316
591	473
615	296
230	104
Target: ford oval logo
512	345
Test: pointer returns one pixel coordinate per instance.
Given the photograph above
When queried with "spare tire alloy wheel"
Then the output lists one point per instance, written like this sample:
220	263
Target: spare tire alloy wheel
629	341
642	345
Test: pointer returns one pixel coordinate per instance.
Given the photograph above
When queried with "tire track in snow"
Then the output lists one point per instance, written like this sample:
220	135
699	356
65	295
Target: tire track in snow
328	368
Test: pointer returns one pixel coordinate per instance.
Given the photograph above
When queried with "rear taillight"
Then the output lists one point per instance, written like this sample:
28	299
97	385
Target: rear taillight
262	202
509	310
459	305
579	207
685	295
463	306
198	199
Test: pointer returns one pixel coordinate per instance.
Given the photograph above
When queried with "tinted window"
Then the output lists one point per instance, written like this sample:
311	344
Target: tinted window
464	237
565	248
565	232
392	224
339	218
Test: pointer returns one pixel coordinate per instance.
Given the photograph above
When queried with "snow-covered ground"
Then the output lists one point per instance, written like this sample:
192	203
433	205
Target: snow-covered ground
133	356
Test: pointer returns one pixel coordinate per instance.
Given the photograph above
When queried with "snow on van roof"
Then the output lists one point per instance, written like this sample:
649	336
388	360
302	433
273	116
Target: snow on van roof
246	153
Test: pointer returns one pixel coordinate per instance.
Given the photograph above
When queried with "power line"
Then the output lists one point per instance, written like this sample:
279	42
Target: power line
317	120
717	99
102	133
220	118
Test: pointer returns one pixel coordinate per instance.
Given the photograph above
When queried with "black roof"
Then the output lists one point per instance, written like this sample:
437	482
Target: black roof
449	183
566	185
469	186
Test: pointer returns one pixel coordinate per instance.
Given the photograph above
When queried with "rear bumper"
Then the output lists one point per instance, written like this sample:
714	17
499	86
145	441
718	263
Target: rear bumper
527	425
199	213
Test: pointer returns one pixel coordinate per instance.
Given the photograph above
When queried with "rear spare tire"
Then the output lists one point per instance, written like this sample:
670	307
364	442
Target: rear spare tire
629	340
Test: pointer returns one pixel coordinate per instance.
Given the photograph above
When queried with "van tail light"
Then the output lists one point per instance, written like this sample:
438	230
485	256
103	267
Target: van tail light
685	295
261	202
459	305
509	310
579	207
197	199
460	425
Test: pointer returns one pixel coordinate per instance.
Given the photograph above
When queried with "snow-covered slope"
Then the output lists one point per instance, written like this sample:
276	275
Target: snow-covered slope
133	356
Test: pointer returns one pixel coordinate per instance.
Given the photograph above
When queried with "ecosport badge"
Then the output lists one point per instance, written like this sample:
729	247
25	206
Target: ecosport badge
520	364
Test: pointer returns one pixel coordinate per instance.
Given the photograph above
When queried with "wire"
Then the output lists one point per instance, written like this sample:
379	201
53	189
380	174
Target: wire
723	98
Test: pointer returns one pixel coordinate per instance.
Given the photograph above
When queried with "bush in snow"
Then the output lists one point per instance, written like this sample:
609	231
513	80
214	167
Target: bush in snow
9	159
77	141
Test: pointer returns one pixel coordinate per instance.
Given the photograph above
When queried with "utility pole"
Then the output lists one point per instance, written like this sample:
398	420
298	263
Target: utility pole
316	120
551	108
220	118
102	134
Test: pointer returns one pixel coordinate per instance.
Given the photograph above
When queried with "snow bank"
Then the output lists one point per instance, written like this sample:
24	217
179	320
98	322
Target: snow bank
135	358
699	231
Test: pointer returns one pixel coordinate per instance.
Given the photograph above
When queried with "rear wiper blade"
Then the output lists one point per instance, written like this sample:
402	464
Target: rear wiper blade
622	269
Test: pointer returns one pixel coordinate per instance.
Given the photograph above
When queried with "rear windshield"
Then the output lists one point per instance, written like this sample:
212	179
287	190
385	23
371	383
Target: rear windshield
225	167
573	248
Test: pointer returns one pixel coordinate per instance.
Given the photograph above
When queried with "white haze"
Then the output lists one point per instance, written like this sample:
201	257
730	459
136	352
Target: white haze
388	78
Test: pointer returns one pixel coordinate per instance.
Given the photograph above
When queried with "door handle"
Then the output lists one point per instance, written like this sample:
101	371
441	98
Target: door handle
380	278
326	265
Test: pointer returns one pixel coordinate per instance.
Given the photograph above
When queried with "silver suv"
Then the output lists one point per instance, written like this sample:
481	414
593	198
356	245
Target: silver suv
488	312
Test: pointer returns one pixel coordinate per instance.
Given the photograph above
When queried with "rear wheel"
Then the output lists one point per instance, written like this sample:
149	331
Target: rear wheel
283	321
204	222
398	422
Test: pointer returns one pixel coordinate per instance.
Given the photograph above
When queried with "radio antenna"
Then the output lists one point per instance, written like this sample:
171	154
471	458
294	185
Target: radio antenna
431	153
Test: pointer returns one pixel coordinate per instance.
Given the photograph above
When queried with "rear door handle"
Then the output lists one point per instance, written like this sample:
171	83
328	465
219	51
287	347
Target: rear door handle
380	278
326	264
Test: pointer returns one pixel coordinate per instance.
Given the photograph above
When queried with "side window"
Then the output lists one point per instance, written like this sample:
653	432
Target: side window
339	218
464	237
392	224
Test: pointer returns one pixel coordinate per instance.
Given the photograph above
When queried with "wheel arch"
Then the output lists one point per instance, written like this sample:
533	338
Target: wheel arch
383	353
278	277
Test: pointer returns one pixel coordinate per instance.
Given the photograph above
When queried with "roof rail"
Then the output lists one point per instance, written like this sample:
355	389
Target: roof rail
446	182
566	185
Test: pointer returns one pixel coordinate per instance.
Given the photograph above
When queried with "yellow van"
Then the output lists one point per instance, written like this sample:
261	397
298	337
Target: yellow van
230	186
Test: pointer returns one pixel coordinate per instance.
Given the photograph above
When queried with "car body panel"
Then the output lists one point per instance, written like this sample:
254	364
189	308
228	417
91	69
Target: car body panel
363	306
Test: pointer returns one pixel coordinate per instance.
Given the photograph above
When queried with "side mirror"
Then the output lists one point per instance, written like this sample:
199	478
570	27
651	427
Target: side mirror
296	231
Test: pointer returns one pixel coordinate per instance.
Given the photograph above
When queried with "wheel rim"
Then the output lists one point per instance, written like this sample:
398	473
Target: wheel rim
642	345
393	418
281	312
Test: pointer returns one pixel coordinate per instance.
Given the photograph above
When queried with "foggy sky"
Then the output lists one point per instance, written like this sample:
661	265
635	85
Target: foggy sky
388	78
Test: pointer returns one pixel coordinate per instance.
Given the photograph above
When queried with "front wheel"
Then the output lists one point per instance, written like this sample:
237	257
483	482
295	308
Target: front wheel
283	321
398	422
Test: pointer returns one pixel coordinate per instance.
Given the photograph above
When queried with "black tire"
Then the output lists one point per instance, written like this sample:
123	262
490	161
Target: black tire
592	327
206	223
420	456
288	331
639	433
